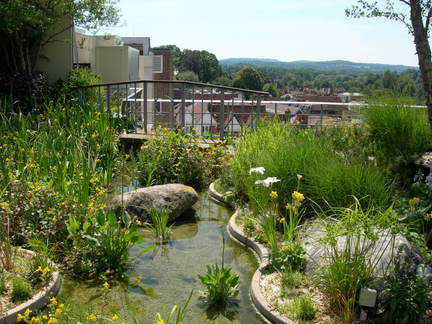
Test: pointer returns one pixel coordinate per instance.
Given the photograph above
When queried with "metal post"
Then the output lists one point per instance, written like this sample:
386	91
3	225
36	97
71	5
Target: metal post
183	105
321	115
222	116
258	105
145	106
108	99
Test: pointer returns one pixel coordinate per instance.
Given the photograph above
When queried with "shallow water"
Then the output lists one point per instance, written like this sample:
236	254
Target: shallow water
165	276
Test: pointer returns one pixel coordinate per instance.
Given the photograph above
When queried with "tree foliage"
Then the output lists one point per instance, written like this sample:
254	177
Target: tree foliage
249	78
416	15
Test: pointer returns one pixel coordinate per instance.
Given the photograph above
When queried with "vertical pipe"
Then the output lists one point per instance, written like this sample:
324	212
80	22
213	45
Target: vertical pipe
193	107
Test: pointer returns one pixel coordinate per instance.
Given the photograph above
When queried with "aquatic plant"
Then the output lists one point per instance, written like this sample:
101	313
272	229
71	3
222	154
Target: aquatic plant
159	224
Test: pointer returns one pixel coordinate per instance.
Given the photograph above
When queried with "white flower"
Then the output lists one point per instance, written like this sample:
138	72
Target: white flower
259	170
267	182
299	176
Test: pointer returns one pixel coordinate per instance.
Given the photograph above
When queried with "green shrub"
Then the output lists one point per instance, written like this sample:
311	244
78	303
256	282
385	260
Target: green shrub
302	308
82	77
176	157
408	297
396	130
329	178
221	284
289	257
21	290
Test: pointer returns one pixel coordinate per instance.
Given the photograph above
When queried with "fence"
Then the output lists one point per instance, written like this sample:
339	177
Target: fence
209	110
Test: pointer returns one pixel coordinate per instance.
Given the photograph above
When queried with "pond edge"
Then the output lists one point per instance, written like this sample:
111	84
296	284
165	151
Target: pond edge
264	258
38	301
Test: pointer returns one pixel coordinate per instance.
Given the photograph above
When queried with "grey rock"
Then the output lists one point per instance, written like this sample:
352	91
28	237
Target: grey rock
175	198
386	251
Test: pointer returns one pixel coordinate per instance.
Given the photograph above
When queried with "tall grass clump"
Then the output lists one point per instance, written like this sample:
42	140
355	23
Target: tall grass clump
328	177
396	130
355	247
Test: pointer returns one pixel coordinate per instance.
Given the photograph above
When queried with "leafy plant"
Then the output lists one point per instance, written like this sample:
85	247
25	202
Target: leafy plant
177	314
221	284
269	224
111	238
159	224
408	297
302	308
21	290
289	257
175	156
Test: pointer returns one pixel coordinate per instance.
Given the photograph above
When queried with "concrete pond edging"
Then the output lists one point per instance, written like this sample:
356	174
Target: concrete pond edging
264	259
37	302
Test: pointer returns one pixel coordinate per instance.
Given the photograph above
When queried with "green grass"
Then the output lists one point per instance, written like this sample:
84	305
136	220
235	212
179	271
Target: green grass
21	290
397	131
302	308
159	224
329	178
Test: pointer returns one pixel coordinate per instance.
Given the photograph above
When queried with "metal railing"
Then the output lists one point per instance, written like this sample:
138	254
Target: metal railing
209	110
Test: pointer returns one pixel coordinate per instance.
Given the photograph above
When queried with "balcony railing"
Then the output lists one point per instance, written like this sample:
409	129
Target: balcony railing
209	110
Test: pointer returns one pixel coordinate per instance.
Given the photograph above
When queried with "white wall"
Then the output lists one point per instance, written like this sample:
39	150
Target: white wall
55	58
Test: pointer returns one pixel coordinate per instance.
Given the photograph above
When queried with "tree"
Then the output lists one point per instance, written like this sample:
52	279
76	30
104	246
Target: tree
416	15
25	23
270	88
249	78
203	63
187	76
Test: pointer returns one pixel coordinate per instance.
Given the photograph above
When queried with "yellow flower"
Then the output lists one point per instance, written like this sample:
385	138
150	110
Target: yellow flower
115	317
45	317
413	202
53	301
4	205
46	270
52	320
27	312
58	312
92	318
39	269
273	194
61	306
298	196
35	320
105	284
160	322
20	318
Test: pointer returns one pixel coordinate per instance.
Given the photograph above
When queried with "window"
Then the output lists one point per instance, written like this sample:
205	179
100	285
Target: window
157	64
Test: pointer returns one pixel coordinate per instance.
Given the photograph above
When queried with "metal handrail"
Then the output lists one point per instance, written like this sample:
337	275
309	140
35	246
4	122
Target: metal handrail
199	84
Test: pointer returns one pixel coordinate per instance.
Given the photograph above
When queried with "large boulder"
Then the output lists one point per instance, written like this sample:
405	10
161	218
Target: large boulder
175	198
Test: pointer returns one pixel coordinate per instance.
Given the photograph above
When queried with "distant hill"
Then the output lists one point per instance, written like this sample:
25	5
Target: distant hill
338	65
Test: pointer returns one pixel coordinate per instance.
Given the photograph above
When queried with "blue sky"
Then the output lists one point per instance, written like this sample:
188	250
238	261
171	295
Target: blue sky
281	29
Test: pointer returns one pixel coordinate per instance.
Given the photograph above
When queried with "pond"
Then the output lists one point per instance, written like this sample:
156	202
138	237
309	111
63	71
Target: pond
164	277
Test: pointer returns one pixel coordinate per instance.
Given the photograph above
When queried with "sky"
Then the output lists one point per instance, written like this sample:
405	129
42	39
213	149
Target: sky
286	30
